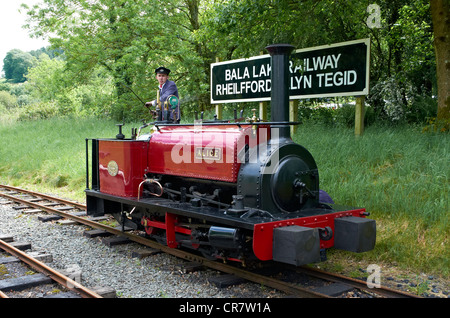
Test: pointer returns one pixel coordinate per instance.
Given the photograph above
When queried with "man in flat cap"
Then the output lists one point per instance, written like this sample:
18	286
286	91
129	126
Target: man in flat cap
166	88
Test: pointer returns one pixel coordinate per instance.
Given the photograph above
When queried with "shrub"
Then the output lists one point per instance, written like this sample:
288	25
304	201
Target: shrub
42	110
323	115
7	100
422	109
398	101
345	115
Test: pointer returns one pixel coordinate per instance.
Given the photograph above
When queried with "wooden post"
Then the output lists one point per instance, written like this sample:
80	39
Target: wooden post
218	106
293	114
219	111
359	116
262	105
263	110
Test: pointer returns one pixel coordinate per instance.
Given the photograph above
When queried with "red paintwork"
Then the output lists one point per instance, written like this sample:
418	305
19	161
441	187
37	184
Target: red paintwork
173	150
263	232
131	158
171	227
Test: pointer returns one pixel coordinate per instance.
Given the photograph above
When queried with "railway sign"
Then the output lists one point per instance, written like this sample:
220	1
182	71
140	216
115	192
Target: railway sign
340	69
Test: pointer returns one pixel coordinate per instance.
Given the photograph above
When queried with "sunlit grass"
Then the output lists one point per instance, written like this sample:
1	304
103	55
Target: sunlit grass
401	176
49	154
392	171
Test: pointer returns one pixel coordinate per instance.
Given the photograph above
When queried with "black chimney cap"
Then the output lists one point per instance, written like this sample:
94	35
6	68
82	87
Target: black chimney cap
281	48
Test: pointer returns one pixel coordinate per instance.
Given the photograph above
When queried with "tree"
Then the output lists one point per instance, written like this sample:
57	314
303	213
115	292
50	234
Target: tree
402	52
128	38
49	83
131	38
440	12
16	65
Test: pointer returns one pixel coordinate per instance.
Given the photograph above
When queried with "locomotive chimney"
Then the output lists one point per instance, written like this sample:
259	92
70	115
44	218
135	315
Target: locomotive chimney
280	87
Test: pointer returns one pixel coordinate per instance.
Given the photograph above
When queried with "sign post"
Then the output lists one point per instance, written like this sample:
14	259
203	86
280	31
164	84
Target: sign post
359	116
340	69
218	106
293	114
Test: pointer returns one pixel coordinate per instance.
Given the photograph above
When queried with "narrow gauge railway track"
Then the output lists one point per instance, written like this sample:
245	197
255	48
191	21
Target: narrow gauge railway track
267	281
38	195
47	271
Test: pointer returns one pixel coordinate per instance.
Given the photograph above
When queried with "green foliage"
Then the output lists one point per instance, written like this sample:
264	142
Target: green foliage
41	110
402	55
421	109
127	40
7	101
244	28
337	115
46	80
402	102
50	84
16	65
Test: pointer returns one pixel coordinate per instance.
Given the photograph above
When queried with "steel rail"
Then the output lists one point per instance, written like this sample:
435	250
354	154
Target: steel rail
50	272
261	279
47	197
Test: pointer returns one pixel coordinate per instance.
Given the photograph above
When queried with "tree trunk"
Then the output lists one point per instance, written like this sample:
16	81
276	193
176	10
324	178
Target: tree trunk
440	14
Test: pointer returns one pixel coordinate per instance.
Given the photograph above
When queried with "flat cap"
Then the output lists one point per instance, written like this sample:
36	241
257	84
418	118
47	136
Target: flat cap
162	70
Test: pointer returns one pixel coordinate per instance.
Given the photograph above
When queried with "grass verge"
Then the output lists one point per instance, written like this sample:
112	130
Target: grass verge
401	176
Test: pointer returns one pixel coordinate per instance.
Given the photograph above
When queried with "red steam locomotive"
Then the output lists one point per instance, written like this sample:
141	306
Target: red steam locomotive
229	189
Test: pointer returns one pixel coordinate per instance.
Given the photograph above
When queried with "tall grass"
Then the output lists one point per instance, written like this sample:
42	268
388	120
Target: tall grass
393	171
399	174
49	154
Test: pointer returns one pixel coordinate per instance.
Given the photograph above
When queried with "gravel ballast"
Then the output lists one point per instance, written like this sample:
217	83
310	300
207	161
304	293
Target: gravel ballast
156	276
